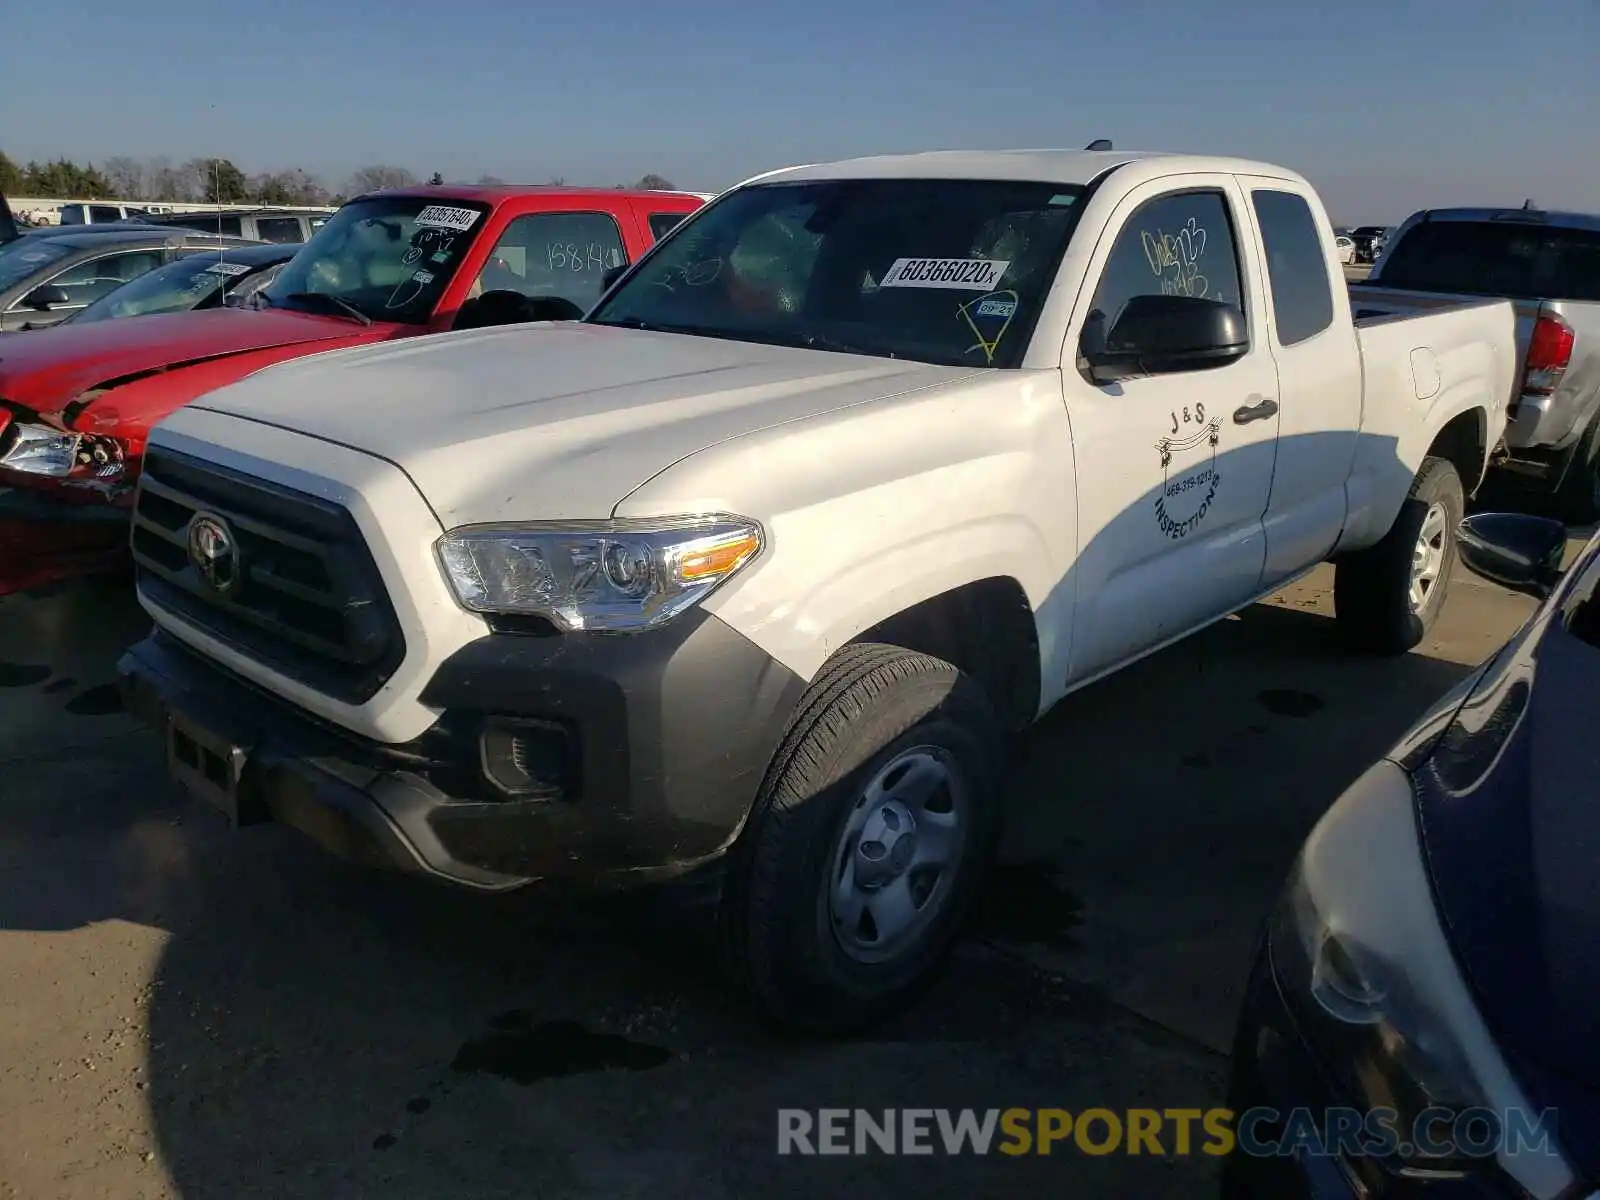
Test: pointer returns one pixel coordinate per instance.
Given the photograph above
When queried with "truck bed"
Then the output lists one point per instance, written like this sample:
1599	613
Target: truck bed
1416	362
1554	422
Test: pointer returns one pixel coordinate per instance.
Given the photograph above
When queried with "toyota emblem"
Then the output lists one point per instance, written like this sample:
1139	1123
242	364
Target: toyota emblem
214	552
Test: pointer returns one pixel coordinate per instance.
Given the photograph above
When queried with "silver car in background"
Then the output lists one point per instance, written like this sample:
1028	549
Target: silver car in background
1548	265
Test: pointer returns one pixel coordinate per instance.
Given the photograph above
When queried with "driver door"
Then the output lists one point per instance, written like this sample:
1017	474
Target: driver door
1174	470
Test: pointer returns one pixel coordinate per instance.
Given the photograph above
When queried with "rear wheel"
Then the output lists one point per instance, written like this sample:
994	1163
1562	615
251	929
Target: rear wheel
1388	596
868	842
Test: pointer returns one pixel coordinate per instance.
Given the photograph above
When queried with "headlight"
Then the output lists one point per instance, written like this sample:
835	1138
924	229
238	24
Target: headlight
38	450
1358	950
597	575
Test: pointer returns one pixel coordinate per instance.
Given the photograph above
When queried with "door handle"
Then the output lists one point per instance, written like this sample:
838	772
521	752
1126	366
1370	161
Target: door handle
1267	407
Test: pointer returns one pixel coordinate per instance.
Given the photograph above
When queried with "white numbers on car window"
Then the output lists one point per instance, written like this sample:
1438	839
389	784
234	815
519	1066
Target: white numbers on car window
568	256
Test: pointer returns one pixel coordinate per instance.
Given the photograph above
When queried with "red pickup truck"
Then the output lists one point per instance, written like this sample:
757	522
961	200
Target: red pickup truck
77	402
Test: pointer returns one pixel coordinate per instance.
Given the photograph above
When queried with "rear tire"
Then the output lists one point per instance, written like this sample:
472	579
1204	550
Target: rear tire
822	919
1388	596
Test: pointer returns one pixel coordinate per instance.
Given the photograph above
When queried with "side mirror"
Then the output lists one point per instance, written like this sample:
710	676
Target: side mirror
1515	550
612	275
45	298
1158	335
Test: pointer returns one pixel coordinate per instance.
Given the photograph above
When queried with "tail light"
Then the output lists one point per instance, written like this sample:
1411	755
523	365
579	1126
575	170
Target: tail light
1549	352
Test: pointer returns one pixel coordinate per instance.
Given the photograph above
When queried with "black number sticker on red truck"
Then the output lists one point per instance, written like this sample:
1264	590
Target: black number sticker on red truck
443	216
962	274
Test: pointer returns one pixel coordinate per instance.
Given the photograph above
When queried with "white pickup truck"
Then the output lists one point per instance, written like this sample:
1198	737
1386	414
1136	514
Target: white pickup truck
754	569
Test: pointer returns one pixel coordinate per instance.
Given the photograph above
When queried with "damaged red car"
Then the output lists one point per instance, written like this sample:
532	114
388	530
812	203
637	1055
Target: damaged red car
78	401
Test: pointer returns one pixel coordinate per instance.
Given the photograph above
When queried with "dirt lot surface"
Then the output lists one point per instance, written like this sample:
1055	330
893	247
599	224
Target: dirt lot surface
191	1012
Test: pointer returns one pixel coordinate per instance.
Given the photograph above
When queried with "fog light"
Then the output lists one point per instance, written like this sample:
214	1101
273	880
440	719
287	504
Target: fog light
531	760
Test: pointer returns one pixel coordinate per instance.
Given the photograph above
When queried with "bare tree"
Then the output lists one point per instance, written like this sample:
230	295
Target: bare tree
376	178
490	181
165	181
194	180
127	177
655	183
306	187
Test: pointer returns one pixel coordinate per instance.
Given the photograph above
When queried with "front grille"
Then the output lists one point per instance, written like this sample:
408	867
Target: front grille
308	601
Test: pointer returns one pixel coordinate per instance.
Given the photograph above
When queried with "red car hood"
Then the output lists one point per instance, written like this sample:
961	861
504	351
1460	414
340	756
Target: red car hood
45	368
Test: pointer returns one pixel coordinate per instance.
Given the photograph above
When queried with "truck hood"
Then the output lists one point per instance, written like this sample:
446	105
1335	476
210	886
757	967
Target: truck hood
45	369
554	421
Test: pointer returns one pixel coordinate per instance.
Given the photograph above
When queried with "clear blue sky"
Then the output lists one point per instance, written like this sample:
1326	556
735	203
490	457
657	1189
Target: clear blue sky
1386	106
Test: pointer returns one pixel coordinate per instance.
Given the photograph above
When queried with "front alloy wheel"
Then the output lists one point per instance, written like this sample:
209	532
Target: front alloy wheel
1428	557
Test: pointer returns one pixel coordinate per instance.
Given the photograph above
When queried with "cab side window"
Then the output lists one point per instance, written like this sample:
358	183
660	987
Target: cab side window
554	254
661	223
1297	266
1178	245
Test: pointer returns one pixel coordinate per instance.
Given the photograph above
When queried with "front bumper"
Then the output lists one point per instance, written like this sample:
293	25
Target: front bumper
667	736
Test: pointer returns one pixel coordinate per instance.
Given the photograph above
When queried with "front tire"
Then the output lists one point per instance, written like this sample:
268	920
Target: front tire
868	842
1388	596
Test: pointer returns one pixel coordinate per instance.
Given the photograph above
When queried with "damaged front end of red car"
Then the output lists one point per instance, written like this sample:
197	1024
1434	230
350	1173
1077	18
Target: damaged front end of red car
65	498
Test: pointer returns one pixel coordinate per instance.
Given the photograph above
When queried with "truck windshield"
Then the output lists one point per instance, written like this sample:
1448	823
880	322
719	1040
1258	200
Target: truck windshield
1518	260
388	258
950	271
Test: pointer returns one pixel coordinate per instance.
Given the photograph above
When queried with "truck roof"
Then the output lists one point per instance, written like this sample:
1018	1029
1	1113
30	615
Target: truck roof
1530	216
1050	166
494	194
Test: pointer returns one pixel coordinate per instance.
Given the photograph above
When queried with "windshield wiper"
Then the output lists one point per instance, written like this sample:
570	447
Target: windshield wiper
821	341
328	300
803	341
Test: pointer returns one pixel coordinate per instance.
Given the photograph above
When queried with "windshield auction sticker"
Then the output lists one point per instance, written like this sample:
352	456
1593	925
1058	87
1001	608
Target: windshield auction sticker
228	268
960	274
442	216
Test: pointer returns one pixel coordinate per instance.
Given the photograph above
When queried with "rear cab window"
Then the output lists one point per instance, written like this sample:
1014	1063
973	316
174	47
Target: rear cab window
1297	267
1516	259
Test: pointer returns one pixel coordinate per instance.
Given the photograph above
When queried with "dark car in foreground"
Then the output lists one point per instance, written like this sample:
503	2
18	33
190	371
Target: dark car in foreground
199	280
1423	1017
45	280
